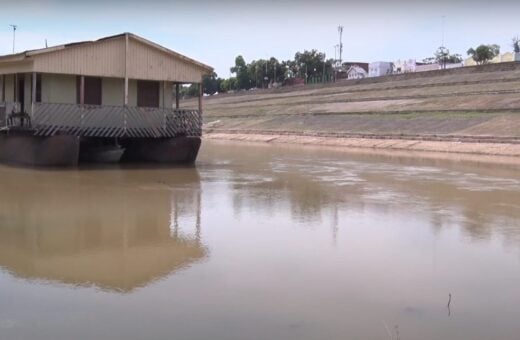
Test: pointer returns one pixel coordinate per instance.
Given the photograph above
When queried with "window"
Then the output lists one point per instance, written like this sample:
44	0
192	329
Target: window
147	93
38	88
92	91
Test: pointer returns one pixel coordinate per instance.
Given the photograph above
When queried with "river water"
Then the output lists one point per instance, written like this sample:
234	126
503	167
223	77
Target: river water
262	242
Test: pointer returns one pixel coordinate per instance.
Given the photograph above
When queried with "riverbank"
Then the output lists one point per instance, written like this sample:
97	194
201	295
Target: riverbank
471	111
503	151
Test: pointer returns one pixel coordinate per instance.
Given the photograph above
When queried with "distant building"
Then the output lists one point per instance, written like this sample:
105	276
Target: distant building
410	65
454	65
502	58
356	72
348	64
405	66
380	68
427	67
342	72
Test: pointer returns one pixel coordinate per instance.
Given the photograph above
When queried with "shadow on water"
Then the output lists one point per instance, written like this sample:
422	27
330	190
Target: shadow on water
115	230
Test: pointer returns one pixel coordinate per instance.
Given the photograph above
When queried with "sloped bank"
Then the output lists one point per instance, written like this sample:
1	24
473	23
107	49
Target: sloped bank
491	146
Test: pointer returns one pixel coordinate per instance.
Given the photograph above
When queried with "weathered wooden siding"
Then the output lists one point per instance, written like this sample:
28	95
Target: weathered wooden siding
110	58
58	88
145	62
168	95
9	88
20	67
113	93
132	92
27	100
103	59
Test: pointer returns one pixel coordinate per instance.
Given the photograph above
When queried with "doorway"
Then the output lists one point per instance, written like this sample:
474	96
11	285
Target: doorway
147	93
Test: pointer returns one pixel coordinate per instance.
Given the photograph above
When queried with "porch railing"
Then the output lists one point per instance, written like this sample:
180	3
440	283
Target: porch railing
114	121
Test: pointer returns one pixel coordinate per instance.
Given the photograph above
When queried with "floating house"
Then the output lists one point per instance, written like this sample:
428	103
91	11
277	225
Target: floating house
113	99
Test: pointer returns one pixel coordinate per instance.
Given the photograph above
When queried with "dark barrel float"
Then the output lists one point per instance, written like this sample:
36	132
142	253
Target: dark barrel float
23	147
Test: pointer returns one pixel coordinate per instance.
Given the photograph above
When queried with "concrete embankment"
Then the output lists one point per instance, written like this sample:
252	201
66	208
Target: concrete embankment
472	111
450	144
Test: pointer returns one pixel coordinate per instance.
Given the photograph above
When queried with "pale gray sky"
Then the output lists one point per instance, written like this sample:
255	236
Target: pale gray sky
214	32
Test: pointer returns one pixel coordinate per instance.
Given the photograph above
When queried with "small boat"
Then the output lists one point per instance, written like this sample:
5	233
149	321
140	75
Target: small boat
101	154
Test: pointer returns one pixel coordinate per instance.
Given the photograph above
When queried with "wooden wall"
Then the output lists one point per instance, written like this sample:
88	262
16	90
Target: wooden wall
107	59
145	62
104	58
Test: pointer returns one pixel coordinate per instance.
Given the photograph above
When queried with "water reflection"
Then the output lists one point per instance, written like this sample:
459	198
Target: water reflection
482	199
107	229
304	244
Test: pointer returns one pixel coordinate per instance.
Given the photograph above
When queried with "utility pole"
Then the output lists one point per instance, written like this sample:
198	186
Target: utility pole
274	80
444	50
14	34
340	31
266	78
443	22
324	65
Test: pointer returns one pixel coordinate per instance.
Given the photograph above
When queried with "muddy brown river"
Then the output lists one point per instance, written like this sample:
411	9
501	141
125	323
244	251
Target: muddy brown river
263	242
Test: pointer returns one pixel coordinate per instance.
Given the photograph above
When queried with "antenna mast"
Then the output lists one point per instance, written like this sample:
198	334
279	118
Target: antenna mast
14	34
340	31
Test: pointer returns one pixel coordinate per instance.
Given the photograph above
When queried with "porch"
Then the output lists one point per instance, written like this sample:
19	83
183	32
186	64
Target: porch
50	104
104	121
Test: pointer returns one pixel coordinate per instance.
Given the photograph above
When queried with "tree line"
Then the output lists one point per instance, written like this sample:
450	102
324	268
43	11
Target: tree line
312	66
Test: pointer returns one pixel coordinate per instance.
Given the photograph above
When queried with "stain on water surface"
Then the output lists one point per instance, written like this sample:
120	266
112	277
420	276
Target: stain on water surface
262	242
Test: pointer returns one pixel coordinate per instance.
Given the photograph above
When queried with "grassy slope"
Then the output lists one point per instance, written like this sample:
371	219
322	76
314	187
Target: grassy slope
476	103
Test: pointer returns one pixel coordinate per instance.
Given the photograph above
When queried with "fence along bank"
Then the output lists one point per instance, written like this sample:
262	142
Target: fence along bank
116	98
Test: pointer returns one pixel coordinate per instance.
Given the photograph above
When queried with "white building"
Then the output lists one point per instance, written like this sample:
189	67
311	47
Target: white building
356	72
427	67
405	66
380	68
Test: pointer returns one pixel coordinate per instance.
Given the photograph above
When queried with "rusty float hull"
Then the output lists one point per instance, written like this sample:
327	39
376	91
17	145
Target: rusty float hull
26	149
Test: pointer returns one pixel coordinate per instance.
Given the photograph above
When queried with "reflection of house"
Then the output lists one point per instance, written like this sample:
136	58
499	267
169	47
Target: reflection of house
106	233
356	72
380	68
502	58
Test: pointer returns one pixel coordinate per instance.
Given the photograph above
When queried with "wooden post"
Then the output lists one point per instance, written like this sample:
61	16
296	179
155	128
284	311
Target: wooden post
82	90
163	94
15	86
126	69
200	98
3	88
33	92
177	87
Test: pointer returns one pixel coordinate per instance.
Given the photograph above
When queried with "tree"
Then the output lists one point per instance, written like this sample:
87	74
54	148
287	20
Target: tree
228	85
310	63
210	83
484	53
516	44
442	56
242	75
429	60
191	90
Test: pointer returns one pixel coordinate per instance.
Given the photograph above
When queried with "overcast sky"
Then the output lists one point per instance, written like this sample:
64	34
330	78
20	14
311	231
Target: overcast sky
214	32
